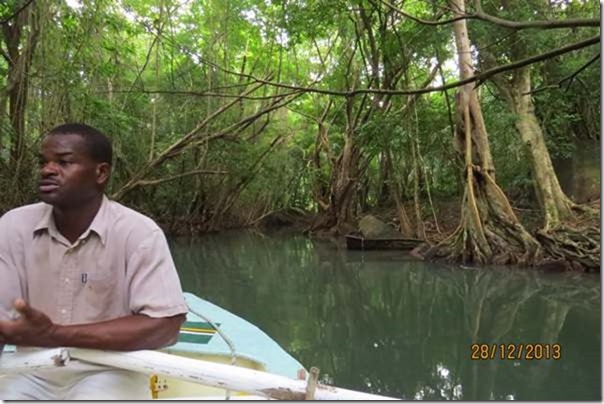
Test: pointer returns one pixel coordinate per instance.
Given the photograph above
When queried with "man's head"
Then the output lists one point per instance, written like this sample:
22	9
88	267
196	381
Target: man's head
75	164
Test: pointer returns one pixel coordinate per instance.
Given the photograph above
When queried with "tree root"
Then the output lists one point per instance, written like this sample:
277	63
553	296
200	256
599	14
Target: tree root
489	232
576	248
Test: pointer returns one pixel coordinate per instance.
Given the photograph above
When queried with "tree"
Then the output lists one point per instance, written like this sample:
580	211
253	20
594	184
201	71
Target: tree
489	231
516	89
19	38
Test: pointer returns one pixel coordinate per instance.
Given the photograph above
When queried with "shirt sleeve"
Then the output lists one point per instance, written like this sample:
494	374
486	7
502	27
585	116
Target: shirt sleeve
153	284
10	278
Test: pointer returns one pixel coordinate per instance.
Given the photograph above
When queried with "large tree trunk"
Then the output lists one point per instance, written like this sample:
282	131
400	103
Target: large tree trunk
577	248
516	92
555	205
338	216
336	200
346	176
489	231
320	188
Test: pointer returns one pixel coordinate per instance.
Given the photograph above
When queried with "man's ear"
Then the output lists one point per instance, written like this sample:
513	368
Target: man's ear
103	171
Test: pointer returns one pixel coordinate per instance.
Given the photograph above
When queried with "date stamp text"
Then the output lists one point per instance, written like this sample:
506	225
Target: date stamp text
516	352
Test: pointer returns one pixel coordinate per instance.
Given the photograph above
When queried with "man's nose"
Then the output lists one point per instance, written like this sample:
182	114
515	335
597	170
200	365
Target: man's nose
49	168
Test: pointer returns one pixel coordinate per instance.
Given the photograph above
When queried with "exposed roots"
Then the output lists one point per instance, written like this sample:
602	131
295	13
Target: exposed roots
490	232
327	225
576	248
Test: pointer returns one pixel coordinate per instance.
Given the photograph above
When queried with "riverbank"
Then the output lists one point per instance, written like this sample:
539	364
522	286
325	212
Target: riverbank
571	247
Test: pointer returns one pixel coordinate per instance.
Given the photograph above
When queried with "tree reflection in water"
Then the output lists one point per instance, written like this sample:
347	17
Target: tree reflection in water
379	322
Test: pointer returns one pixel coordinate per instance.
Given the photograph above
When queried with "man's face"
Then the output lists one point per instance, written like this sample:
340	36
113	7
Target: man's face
69	177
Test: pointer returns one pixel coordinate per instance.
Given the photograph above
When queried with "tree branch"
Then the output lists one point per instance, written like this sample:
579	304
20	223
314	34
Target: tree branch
201	94
422	21
517	25
16	13
543	24
177	176
571	77
568	78
176	147
480	78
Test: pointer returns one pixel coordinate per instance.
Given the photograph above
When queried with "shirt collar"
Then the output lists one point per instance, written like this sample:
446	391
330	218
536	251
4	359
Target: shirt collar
98	225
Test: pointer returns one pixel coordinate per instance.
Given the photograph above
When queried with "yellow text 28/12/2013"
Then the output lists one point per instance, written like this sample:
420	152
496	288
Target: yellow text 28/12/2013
536	351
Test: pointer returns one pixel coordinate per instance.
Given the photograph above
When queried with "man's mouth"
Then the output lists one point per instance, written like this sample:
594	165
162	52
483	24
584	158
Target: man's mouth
48	186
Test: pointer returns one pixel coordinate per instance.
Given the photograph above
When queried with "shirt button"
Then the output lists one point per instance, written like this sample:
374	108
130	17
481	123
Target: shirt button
66	280
63	311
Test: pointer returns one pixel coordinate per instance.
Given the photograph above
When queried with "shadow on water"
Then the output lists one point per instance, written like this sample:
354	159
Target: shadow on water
383	323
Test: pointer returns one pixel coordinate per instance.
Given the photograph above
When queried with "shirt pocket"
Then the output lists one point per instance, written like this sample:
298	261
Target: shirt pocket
101	293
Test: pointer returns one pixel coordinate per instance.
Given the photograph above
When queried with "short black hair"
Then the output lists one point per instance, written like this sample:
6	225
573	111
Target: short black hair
97	144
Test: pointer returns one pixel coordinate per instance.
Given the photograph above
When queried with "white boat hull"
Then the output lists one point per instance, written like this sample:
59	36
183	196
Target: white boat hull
218	356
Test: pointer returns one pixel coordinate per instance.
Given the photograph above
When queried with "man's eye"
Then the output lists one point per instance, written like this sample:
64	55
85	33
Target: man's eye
64	163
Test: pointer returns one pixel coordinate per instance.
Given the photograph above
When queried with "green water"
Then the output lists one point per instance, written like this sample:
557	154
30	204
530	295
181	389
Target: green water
382	323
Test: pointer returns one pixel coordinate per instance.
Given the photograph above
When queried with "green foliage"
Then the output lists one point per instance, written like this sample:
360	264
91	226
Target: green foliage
148	73
510	156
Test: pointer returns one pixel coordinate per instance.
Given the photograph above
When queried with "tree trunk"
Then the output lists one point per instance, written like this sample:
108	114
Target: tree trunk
395	190
345	180
20	36
489	231
575	248
420	230
555	205
320	189
338	216
516	92
385	177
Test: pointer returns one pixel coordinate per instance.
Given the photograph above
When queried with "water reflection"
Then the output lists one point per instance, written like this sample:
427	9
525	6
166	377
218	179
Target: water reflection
380	323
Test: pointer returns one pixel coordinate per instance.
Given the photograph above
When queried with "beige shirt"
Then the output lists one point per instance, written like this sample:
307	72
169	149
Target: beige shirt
121	265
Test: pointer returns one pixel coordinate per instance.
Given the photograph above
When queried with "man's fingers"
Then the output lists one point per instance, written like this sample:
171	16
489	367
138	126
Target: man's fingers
22	307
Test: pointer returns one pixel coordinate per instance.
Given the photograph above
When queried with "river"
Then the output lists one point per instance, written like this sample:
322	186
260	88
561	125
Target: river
384	323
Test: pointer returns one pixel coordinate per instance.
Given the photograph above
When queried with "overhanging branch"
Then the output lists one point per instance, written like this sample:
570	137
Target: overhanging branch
568	78
542	24
517	25
16	13
480	78
182	175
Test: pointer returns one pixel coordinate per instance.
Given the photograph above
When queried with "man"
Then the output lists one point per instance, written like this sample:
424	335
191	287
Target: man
81	270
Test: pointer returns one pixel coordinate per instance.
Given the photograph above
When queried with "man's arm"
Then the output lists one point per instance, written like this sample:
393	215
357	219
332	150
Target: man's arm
133	332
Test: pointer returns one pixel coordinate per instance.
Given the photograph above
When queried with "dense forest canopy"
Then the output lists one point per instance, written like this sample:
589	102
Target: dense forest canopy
226	113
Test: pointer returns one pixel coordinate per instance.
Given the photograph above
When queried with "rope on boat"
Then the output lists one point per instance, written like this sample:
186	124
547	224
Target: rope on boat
226	339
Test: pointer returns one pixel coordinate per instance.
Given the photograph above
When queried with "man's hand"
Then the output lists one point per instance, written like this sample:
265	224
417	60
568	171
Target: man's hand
31	328
128	333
